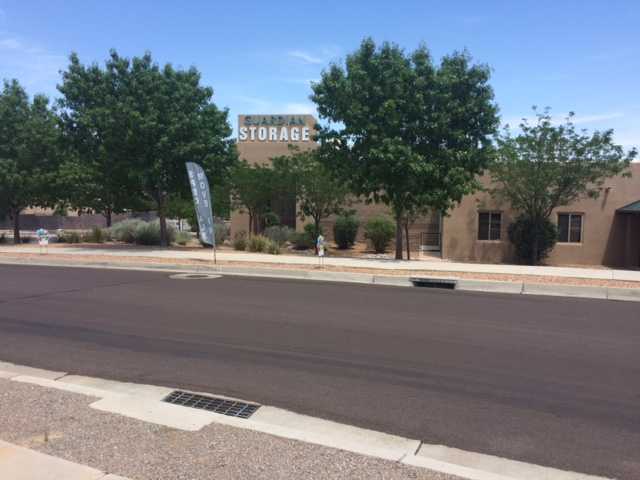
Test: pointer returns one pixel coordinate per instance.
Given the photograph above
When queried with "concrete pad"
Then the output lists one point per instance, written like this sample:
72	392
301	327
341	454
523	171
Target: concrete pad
118	388
152	411
341	277
565	290
18	463
30	371
489	286
393	281
496	467
287	424
626	294
68	387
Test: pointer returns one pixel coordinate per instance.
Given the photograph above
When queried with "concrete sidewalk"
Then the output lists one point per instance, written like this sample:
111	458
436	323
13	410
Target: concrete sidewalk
19	463
421	264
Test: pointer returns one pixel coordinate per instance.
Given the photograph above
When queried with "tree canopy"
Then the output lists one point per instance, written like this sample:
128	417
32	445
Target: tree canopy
404	131
548	165
29	146
318	193
150	120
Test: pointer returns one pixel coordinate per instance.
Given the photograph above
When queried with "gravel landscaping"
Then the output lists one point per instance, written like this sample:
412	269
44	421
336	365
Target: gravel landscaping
142	451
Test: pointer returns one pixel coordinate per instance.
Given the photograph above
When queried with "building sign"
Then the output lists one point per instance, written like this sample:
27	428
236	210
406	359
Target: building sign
274	128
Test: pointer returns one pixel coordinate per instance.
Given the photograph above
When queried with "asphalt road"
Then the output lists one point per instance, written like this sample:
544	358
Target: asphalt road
547	380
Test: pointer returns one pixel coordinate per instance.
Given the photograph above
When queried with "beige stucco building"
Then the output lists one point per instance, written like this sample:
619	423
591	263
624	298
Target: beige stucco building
602	231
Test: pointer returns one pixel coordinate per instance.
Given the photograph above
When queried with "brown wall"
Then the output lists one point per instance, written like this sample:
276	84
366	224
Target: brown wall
604	236
260	152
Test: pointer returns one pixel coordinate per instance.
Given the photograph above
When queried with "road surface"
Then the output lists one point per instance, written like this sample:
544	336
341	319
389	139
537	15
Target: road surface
548	380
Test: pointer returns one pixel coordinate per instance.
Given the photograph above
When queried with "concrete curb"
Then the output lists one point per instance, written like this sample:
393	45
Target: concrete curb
143	402
463	284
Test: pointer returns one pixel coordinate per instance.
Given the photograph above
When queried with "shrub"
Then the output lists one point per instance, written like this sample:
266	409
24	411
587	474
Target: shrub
69	237
96	235
523	233
271	219
148	233
272	247
125	230
310	229
278	234
380	231
221	231
301	240
182	238
258	243
3	238
345	231
240	241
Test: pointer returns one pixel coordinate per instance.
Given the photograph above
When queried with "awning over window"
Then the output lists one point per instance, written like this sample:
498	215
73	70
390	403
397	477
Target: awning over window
631	208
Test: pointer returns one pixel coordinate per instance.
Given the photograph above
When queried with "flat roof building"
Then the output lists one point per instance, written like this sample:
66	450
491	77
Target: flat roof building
602	231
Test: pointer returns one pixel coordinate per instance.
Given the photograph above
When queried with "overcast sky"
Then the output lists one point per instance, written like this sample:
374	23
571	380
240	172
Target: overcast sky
260	56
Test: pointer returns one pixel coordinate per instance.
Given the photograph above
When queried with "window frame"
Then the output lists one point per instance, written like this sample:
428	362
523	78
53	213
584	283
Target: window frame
489	239
570	215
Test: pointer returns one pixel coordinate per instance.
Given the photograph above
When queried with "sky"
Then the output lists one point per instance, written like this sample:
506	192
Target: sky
260	56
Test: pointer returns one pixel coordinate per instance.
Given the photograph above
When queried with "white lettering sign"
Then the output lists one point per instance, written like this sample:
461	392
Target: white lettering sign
274	128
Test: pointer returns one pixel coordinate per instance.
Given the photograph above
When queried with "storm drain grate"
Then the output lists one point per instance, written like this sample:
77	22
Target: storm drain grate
445	283
231	408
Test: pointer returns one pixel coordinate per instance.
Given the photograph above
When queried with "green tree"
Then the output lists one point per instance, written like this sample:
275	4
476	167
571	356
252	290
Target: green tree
549	165
253	187
29	142
404	131
99	174
318	193
164	118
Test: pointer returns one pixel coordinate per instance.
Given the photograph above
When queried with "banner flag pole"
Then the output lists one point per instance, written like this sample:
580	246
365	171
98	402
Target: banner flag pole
203	204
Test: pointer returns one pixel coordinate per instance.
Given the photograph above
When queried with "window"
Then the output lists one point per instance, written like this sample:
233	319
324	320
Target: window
489	225
570	227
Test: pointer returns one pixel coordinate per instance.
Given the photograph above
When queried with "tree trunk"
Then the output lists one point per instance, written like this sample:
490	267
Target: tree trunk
107	215
250	225
16	226
406	234
534	246
398	237
164	240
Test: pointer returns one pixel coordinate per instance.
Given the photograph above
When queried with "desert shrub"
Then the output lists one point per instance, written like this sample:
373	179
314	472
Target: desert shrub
310	229
301	240
95	235
379	231
271	219
221	231
69	237
523	233
148	233
257	243
182	238
278	234
272	247
345	231
240	241
125	231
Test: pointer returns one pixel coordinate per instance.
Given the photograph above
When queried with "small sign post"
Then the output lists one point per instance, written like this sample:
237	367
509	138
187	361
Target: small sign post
43	240
203	204
320	248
